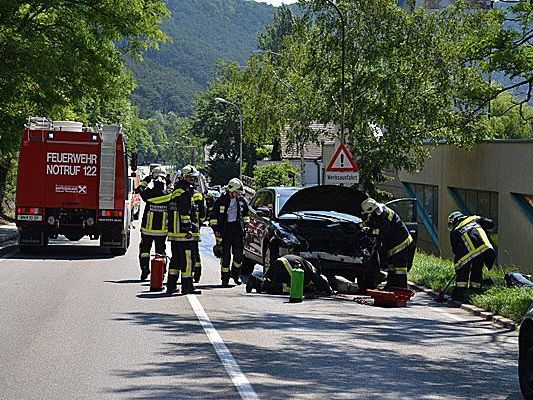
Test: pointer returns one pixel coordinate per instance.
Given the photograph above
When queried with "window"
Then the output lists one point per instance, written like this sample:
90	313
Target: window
526	203
479	202
427	199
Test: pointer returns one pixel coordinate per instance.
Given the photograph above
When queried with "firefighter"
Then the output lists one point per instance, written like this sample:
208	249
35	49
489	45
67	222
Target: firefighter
154	221
229	219
393	237
472	249
181	233
277	279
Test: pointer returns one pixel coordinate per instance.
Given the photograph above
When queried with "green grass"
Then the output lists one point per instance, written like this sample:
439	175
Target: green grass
435	272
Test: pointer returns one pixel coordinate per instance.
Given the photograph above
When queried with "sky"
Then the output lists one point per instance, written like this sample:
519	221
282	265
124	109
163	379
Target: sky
277	2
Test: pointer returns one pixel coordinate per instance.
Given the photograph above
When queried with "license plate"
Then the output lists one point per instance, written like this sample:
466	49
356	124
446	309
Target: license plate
30	217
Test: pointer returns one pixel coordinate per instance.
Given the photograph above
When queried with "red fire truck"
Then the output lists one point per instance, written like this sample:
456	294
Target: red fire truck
73	181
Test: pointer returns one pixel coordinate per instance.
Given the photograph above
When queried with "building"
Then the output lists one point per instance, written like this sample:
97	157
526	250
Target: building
494	179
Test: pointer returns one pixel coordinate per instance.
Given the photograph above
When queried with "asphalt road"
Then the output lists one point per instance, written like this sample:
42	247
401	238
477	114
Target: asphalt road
75	323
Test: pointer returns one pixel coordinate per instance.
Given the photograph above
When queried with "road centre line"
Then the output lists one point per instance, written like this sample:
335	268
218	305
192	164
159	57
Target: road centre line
239	380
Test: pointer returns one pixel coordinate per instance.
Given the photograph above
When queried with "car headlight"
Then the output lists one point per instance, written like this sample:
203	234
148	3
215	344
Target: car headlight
288	239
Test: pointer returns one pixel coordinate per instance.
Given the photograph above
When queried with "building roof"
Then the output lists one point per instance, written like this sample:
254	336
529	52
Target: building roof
312	150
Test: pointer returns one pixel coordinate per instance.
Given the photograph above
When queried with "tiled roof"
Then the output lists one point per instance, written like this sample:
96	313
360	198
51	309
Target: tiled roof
312	150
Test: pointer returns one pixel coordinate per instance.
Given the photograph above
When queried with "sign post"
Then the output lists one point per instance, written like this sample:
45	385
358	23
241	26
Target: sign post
342	168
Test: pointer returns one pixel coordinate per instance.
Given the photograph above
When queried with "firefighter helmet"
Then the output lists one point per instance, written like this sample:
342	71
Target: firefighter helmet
157	172
369	206
235	185
453	218
189	171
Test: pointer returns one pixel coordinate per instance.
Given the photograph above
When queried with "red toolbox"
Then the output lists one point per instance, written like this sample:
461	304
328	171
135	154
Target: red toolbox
393	297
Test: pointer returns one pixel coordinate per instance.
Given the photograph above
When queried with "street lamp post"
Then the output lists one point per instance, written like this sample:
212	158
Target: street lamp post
341	16
222	100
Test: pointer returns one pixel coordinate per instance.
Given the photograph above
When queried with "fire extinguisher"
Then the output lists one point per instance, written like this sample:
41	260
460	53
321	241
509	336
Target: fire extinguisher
158	269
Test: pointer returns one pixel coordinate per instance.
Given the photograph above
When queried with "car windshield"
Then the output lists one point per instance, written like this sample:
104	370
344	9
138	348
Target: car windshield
282	198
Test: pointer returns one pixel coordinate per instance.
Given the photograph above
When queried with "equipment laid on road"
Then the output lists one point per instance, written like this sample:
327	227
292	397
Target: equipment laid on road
440	297
73	181
158	268
393	297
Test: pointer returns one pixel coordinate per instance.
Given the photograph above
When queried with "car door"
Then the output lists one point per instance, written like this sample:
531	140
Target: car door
252	242
406	210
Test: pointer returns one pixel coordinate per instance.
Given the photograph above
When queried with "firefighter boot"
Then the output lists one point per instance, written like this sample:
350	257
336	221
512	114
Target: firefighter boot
172	284
254	282
187	286
401	281
459	293
235	273
144	273
225	279
393	281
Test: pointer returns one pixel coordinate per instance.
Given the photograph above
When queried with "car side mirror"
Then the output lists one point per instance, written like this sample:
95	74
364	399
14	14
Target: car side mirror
264	212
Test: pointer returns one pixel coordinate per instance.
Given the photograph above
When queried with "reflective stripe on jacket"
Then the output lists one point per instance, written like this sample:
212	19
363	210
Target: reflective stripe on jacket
219	214
154	221
179	209
468	240
391	231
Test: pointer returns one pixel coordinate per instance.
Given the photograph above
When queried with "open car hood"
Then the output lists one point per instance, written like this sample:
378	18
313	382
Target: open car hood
339	199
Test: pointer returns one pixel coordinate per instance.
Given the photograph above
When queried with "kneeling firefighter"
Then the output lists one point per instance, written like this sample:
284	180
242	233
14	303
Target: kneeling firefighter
277	279
393	237
181	233
229	219
472	249
154	220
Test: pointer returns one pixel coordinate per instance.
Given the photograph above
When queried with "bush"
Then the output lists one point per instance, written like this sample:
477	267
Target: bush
276	174
435	273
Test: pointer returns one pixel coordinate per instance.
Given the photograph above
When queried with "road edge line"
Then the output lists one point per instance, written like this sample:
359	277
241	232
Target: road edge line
239	380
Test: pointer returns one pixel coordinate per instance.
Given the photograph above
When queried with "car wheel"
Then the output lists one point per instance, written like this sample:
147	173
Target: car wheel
525	360
269	256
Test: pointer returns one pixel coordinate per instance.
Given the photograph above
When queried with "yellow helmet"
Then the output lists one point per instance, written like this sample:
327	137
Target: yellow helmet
235	185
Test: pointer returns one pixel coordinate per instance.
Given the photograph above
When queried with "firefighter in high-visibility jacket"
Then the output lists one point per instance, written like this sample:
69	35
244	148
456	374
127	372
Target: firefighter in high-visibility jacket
229	220
181	233
393	237
472	249
199	212
154	220
277	278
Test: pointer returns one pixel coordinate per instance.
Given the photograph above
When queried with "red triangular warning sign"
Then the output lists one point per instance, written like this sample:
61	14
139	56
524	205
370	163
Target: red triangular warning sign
342	161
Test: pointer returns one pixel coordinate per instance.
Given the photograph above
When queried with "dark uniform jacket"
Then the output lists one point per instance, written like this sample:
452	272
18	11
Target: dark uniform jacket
199	211
281	271
154	220
219	214
390	231
180	209
469	239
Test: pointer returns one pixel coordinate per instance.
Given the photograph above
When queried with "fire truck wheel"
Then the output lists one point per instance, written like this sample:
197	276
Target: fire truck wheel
118	251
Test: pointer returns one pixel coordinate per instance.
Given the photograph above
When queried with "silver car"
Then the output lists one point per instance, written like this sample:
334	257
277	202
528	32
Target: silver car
525	358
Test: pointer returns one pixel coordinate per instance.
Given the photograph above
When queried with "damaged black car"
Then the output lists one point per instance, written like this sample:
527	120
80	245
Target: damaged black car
321	223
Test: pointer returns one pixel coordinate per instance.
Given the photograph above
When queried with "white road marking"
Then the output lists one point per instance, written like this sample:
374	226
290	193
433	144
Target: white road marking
449	315
240	381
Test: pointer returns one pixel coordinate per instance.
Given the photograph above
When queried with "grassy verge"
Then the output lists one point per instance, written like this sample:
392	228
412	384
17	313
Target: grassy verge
435	272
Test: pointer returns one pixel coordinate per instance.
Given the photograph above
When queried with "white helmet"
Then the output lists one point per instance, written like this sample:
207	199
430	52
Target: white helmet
189	170
453	218
235	185
157	172
368	206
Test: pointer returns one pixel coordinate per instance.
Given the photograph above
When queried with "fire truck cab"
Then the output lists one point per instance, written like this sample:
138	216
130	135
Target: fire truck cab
73	181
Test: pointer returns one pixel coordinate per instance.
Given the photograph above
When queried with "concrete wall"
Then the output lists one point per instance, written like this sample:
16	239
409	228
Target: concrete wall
504	167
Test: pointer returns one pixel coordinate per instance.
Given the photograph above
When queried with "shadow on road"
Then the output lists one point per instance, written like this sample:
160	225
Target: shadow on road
65	252
395	357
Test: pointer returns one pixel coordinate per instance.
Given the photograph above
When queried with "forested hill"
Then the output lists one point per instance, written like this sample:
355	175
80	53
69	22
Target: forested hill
202	32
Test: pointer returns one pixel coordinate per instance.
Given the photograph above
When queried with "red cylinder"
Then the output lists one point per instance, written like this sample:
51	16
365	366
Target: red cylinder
157	273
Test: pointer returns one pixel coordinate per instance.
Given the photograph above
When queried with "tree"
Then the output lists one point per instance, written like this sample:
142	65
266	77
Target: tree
63	58
276	174
507	121
409	73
